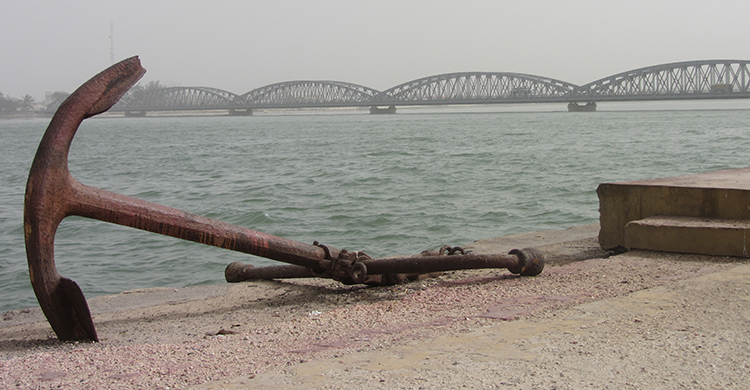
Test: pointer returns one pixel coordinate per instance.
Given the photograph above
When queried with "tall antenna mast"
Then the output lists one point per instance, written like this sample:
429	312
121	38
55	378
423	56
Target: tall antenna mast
111	42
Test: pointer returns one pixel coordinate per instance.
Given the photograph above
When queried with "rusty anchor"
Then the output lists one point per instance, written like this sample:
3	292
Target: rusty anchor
52	194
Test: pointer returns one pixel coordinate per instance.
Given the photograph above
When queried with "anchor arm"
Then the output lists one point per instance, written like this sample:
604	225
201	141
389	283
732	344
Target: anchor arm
48	189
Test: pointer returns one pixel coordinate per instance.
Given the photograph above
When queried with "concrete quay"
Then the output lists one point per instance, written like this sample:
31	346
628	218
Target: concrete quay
707	213
640	319
670	312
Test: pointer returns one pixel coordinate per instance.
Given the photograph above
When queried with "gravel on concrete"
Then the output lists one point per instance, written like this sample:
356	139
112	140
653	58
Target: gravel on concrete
592	319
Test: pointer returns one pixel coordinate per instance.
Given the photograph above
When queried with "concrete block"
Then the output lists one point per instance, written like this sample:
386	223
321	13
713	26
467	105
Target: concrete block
719	195
707	236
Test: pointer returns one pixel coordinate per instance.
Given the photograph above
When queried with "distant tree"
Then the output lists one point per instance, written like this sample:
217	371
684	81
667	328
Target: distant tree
8	104
27	103
154	85
138	91
58	96
54	100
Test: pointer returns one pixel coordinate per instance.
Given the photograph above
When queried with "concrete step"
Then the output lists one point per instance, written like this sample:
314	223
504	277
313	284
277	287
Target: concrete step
707	236
715	195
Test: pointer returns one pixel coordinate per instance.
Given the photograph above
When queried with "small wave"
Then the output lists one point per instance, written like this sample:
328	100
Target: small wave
390	153
253	219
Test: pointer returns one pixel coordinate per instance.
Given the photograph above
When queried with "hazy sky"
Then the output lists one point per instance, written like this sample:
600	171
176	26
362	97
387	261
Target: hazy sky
240	45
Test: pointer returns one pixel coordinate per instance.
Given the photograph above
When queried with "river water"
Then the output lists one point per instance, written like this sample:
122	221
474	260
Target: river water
382	184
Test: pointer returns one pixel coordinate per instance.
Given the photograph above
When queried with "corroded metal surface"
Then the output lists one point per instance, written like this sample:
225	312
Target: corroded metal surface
52	194
394	270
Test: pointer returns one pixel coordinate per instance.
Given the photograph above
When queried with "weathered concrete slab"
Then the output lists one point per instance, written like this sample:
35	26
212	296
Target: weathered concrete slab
706	236
721	194
632	320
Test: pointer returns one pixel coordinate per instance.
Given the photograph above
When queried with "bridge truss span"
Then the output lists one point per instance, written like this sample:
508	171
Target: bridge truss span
309	93
478	88
710	79
180	98
705	79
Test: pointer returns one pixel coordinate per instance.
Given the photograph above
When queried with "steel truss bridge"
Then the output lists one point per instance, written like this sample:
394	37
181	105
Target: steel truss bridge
707	79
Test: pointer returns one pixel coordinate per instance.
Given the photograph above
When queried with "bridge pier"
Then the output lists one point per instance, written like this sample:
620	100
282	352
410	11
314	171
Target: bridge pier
240	112
575	107
377	110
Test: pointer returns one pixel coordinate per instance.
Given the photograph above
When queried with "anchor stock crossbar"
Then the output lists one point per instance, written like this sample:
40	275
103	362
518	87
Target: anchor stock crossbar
52	194
394	270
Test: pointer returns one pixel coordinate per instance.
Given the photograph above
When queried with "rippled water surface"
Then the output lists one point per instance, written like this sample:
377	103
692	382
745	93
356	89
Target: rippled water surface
384	184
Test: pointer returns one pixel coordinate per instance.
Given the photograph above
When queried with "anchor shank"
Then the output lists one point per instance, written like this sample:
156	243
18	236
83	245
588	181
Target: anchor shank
119	209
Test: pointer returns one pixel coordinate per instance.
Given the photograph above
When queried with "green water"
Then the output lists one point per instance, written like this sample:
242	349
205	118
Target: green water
385	184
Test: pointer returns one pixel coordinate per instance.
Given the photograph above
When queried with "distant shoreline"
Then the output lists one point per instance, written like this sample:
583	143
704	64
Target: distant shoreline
26	115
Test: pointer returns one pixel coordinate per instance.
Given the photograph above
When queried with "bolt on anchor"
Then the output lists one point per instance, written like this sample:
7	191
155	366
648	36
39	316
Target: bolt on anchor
52	194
